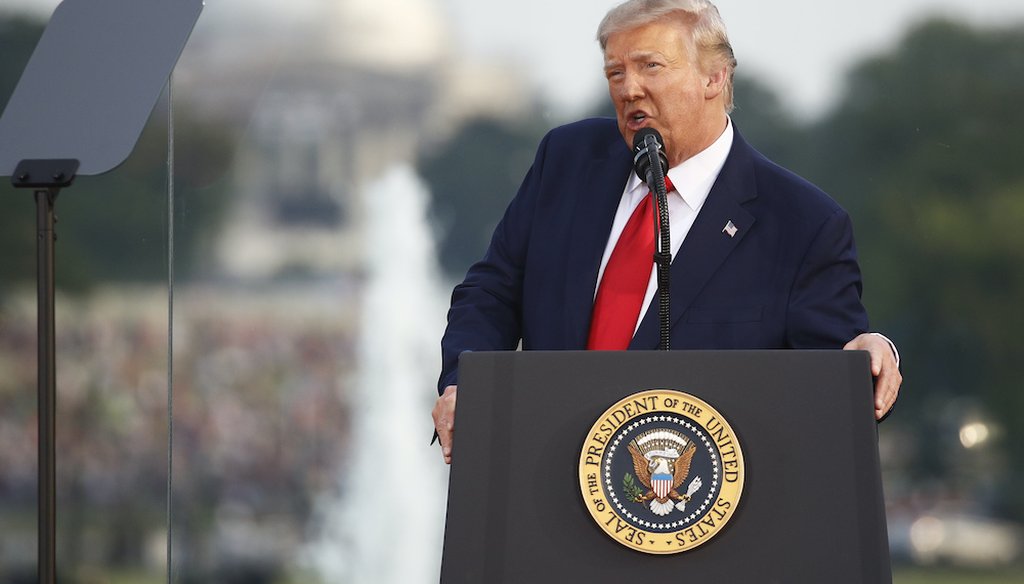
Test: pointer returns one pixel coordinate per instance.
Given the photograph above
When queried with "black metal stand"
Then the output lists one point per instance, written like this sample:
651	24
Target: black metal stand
46	177
45	200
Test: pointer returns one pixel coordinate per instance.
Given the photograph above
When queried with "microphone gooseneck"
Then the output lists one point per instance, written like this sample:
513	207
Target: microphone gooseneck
651	165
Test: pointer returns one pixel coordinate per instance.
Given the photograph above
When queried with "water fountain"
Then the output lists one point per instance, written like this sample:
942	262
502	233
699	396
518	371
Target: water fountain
387	525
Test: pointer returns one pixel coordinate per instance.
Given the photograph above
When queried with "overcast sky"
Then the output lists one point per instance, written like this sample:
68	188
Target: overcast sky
799	47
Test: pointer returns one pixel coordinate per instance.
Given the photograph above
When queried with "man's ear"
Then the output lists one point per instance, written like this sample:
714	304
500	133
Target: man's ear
715	83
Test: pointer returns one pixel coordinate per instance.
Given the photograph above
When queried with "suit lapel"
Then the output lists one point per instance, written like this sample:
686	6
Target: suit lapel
592	220
708	243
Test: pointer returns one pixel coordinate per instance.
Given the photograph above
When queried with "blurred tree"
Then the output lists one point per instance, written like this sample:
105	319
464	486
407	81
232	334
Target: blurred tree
116	224
18	37
767	123
113	227
924	149
472	178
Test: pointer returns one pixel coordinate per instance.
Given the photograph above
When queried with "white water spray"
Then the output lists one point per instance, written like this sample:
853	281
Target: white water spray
388	525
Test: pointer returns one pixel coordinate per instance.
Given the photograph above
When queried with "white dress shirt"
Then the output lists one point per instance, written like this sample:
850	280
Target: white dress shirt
693	180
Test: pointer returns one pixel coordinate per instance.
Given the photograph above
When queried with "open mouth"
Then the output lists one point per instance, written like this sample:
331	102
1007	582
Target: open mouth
636	120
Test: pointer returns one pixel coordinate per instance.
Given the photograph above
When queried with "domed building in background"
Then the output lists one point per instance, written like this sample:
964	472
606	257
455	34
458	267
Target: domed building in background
328	95
386	35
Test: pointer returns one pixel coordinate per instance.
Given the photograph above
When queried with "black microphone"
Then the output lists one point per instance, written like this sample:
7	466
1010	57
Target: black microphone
648	148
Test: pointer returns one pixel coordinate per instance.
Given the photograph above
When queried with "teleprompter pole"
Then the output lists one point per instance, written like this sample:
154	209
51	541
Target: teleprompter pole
46	177
45	243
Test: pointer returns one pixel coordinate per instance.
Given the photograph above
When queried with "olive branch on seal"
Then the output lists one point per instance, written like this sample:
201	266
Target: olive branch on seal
633	492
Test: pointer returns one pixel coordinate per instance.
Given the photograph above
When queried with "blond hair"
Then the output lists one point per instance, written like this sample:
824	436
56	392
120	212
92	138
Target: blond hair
708	36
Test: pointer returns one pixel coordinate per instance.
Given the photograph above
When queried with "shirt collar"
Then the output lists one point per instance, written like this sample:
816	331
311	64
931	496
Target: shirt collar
696	175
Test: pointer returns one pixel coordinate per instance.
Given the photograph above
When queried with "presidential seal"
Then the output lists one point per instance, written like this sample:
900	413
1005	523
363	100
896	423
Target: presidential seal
661	472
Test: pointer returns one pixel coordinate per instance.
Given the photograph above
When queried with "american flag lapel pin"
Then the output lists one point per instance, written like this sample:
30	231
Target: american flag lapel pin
730	229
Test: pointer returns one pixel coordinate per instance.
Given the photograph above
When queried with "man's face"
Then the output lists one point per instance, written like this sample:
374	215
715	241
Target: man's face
654	82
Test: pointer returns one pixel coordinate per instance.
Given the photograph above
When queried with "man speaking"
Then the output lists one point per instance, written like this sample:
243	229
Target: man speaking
760	258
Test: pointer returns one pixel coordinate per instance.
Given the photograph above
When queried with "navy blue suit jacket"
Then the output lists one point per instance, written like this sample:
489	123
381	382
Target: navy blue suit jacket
788	278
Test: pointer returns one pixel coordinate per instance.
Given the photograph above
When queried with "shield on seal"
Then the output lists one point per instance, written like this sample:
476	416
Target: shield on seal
661	484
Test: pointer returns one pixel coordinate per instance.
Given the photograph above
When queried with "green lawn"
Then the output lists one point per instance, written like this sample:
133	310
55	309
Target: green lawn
957	576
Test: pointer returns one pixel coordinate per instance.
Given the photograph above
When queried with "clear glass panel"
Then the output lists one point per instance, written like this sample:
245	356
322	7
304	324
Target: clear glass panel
111	343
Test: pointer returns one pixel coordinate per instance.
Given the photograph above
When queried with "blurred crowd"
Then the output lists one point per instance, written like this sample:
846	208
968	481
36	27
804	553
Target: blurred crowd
260	427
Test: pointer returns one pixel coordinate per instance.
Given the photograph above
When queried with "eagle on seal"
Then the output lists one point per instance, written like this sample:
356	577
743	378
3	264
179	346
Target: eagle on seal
661	459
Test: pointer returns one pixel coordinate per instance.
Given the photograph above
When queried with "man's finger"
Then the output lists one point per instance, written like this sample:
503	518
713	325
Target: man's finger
446	446
444	420
887	388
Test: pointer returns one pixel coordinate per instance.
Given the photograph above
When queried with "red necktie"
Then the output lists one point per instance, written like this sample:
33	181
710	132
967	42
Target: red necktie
620	294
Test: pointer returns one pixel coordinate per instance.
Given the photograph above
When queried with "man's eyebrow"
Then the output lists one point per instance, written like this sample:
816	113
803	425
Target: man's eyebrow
644	55
634	56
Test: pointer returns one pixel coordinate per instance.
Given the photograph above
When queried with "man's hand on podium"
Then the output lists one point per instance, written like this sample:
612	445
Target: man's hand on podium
444	420
884	367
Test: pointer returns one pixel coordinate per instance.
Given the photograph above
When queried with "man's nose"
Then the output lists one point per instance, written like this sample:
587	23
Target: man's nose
631	88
